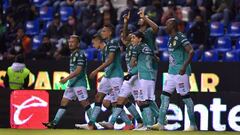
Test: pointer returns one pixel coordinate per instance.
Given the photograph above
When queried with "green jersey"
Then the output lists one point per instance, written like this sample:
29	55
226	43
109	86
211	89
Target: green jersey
128	55
149	39
115	68
78	58
177	54
144	56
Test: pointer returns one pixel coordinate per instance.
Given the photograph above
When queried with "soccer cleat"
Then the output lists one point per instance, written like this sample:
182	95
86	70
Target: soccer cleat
143	128
50	125
128	127
139	125
156	127
106	125
85	126
191	128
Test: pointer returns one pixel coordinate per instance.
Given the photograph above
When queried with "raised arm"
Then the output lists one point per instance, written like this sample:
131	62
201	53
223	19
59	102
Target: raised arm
152	24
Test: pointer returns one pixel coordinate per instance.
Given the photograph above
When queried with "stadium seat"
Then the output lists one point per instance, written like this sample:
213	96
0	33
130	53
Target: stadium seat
210	56
188	26
46	13
36	42
234	29
237	44
38	3
99	56
230	56
197	55
216	29
164	56
32	27
90	53
223	44
6	4
45	26
65	12
162	42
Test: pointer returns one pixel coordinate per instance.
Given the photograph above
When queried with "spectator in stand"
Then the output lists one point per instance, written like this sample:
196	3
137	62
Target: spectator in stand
222	9
155	11
22	43
173	12
90	20
198	34
54	31
236	10
45	50
11	30
132	7
62	50
108	11
70	27
3	47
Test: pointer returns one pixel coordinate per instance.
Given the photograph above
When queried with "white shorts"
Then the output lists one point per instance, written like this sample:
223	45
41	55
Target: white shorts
130	87
110	87
146	90
72	93
178	82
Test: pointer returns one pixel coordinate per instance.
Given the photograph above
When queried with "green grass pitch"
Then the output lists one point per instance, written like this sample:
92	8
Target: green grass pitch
105	132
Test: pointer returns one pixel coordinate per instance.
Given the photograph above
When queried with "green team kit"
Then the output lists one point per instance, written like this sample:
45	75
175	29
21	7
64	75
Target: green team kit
177	54
78	58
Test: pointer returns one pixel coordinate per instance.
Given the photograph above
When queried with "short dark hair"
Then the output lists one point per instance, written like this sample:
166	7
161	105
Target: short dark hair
98	36
138	34
111	27
19	58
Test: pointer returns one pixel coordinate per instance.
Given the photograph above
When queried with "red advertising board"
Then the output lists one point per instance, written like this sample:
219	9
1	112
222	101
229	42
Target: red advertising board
29	108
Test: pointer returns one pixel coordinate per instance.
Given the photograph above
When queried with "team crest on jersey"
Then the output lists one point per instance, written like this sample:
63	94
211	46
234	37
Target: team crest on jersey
146	49
174	43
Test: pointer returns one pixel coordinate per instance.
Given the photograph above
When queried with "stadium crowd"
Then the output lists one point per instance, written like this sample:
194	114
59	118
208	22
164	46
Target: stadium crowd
39	29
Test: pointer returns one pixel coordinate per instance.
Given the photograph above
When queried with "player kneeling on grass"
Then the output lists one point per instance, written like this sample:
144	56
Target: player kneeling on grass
77	87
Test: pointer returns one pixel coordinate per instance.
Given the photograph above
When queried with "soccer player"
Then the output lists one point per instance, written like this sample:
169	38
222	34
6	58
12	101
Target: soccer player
142	58
149	38
129	87
180	57
77	87
112	81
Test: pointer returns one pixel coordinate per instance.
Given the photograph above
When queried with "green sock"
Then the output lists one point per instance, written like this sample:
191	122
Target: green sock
163	109
89	112
95	112
144	117
132	109
154	109
125	118
61	111
149	115
190	110
116	111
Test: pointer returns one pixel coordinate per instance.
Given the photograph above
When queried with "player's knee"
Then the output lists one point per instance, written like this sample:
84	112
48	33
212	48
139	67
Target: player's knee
99	97
121	100
64	102
106	103
84	103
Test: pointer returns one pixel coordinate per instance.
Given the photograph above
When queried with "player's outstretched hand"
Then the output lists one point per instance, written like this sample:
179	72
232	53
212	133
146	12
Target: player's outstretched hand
126	17
127	77
141	13
62	81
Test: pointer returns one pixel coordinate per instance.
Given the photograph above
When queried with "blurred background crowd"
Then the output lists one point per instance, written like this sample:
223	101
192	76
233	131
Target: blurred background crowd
39	29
